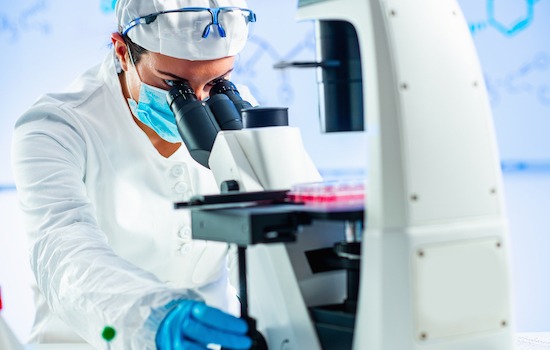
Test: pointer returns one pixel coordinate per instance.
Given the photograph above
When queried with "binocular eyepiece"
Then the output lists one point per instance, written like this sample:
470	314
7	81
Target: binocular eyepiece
200	121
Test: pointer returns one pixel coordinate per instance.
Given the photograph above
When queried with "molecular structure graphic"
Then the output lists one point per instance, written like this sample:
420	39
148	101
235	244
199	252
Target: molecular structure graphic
522	81
11	26
506	26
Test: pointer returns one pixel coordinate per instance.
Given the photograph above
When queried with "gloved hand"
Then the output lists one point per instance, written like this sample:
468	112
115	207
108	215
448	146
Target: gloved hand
193	325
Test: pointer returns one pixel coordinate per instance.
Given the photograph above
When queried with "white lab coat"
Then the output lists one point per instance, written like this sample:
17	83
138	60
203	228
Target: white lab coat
106	245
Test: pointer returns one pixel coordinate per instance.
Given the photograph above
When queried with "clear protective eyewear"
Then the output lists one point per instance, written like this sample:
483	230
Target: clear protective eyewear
198	19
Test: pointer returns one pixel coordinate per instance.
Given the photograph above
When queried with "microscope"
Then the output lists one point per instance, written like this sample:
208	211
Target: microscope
422	261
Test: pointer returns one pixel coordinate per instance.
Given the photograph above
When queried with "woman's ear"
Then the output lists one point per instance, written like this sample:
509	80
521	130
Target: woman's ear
121	50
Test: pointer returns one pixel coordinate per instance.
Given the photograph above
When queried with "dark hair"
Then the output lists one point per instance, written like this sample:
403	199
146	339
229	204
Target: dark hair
136	50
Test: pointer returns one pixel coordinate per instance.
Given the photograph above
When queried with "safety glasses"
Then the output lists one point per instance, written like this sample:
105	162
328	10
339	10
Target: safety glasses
197	20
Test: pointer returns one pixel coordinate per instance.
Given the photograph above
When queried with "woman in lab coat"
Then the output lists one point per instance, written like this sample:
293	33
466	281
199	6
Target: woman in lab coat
98	169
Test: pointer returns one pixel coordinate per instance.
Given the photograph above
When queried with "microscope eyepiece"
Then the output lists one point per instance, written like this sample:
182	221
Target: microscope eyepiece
227	88
200	121
196	123
183	89
221	86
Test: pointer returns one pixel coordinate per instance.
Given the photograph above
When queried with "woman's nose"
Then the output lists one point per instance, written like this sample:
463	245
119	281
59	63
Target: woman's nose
202	92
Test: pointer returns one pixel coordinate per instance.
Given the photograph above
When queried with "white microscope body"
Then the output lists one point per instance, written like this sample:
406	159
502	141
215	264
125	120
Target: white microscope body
434	261
259	159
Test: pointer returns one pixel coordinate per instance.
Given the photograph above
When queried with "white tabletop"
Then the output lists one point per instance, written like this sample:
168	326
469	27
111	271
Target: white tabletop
524	341
59	347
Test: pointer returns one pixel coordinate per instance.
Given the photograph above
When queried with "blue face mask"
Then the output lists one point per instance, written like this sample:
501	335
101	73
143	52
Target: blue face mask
153	110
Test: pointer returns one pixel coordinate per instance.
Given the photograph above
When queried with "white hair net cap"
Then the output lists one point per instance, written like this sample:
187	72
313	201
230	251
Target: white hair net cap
180	34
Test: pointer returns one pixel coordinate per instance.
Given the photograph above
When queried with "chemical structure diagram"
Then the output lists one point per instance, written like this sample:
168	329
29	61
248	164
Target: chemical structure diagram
509	19
520	81
13	25
32	18
260	51
508	26
107	6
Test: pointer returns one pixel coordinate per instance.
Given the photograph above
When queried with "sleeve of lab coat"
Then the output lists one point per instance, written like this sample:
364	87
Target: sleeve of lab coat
83	281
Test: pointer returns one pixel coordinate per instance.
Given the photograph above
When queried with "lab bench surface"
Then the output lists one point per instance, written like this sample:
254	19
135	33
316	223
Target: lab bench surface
59	347
524	341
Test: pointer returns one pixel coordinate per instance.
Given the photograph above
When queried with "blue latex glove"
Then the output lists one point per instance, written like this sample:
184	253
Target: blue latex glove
193	325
